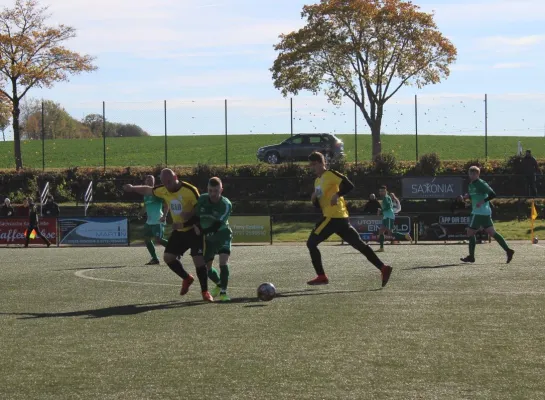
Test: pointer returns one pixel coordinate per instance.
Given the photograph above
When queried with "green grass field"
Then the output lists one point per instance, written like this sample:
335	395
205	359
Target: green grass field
191	150
97	324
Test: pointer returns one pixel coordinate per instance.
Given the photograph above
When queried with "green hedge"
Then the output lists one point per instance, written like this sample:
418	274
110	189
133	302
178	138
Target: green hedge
69	184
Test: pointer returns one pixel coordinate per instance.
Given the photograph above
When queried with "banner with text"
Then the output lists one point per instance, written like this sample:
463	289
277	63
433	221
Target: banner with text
251	229
94	231
432	187
12	230
436	227
369	225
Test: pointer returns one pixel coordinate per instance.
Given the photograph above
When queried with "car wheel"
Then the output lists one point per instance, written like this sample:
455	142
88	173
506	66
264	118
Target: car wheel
272	157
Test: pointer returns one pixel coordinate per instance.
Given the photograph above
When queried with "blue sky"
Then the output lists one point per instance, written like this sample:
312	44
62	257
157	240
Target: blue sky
195	54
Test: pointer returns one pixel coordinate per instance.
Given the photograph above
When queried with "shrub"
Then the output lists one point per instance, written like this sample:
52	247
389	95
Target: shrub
513	165
384	164
429	164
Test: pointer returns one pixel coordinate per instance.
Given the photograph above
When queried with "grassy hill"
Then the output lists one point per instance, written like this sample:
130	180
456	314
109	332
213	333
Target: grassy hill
191	150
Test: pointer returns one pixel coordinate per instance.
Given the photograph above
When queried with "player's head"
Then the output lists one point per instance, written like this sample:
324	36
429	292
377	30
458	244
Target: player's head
474	173
28	202
528	153
317	163
150	180
7	202
383	191
372	196
215	188
169	179
50	198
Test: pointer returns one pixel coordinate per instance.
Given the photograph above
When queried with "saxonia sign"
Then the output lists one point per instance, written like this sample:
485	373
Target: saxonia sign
443	187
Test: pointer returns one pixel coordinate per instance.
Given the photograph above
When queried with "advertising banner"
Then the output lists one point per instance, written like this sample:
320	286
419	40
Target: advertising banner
437	227
369	225
432	187
12	230
251	229
94	231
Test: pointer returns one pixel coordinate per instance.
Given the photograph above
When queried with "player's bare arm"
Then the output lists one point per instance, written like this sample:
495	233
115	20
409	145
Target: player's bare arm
140	189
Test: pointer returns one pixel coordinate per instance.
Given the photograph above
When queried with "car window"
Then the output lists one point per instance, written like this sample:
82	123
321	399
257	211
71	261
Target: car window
315	139
297	140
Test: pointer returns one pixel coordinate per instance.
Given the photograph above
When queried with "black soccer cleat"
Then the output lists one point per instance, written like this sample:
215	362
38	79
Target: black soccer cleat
468	259
510	254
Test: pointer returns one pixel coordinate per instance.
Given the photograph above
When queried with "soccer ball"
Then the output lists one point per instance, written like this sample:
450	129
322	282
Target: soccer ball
266	292
535	240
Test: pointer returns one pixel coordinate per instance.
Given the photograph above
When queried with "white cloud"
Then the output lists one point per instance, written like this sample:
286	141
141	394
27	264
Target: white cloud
488	12
512	65
509	44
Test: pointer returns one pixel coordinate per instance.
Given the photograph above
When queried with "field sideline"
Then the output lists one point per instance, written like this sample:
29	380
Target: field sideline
95	323
191	150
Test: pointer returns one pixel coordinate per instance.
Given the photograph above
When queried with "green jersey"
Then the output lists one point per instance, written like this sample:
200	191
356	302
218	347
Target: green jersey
387	207
214	217
478	191
154	209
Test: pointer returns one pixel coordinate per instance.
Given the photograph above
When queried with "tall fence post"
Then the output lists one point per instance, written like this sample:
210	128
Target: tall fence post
43	138
416	123
104	131
226	149
486	126
166	144
356	132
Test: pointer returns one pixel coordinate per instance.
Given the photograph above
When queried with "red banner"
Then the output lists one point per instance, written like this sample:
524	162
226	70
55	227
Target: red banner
12	230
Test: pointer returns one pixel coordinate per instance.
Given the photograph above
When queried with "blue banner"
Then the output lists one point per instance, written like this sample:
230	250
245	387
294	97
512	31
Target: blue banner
94	231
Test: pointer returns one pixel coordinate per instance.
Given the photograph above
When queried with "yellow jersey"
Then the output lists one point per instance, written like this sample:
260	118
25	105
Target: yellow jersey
183	200
325	187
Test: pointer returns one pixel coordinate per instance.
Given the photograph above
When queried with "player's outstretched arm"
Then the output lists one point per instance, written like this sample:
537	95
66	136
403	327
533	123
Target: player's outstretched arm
140	189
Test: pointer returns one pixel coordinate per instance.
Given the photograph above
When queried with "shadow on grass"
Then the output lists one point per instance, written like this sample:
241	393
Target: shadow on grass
134	309
434	266
536	229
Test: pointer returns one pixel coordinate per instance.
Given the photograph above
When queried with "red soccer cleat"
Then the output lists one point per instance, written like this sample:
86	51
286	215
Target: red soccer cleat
386	271
206	296
319	280
187	282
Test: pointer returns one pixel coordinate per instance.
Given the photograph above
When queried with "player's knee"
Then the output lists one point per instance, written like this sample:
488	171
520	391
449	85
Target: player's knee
311	244
168	258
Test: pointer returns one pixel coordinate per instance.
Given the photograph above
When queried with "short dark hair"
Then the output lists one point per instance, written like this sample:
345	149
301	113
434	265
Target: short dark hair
214	181
384	187
317	157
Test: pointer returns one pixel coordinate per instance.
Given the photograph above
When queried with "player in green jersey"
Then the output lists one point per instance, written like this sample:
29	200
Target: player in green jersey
154	229
388	218
481	215
213	211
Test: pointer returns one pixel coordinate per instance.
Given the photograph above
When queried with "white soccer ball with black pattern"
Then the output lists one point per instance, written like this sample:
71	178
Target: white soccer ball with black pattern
266	292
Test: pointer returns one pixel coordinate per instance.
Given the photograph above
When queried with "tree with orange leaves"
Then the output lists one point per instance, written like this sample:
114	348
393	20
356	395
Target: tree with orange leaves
365	50
32	55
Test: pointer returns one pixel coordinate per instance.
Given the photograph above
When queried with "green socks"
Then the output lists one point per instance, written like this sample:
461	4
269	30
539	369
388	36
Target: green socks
224	277
214	276
151	249
501	241
381	240
399	236
472	244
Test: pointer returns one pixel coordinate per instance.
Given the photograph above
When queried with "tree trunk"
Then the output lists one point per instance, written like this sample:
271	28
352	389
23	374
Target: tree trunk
375	137
17	135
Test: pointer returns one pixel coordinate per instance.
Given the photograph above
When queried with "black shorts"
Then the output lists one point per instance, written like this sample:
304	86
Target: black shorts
329	226
179	242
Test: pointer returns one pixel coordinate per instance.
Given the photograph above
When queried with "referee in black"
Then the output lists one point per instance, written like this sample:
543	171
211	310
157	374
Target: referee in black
33	222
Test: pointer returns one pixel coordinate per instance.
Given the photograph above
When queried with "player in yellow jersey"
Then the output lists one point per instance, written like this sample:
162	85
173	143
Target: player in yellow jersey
329	188
181	198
